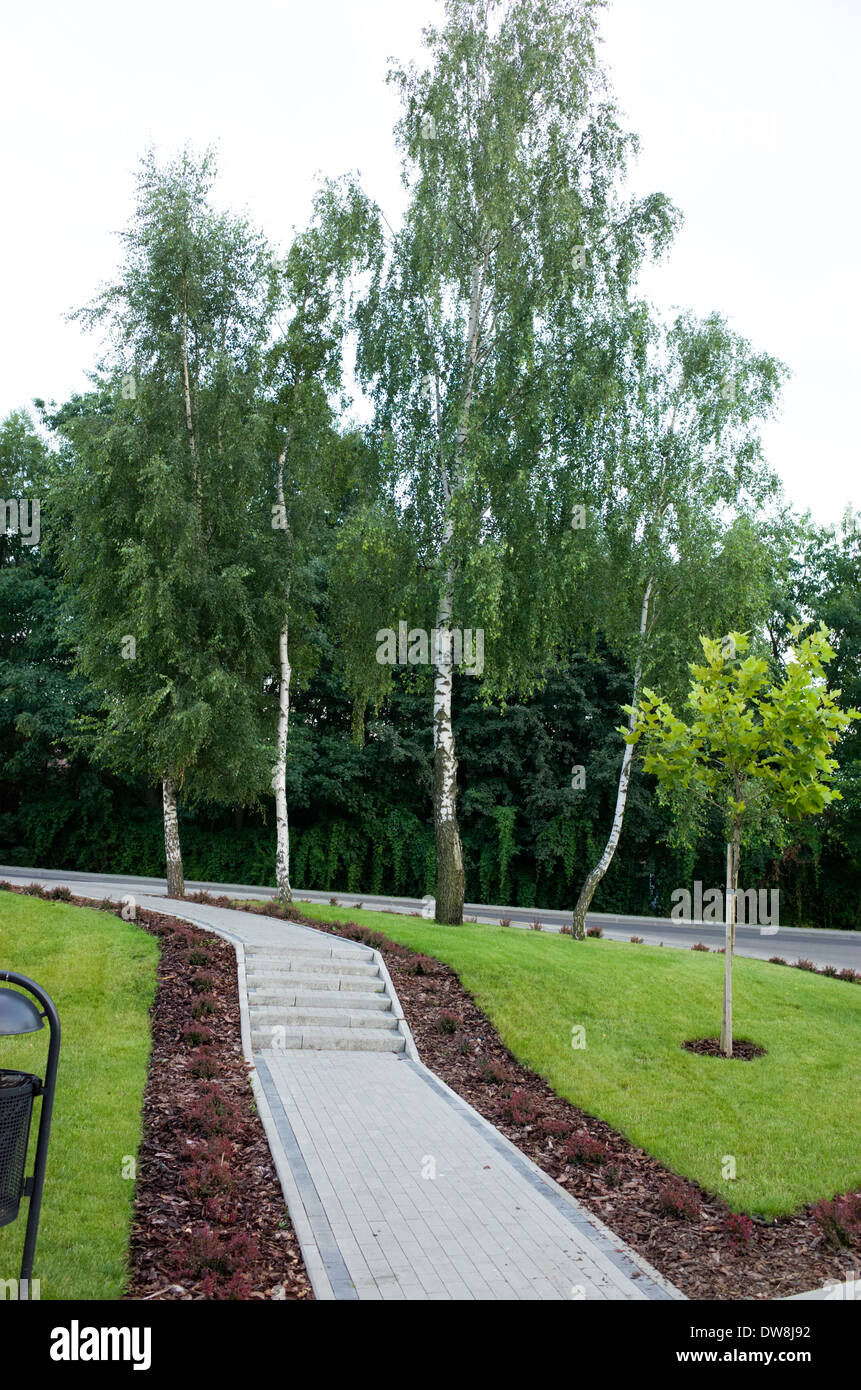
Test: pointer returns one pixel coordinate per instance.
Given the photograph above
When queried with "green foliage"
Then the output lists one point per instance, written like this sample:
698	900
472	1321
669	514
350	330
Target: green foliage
160	520
513	158
157	517
516	759
756	750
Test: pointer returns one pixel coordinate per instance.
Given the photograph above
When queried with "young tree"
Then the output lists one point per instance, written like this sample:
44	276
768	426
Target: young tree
163	524
757	751
679	481
512	157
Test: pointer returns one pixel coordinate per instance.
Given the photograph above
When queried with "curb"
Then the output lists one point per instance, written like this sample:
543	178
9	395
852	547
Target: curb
613	1246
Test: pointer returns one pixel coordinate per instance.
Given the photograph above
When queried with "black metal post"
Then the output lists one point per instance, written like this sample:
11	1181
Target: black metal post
33	1188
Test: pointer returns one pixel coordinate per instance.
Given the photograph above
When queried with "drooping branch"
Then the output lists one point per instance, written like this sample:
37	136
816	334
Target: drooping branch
189	419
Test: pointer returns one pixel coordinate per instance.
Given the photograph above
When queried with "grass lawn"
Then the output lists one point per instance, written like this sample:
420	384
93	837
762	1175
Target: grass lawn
791	1119
101	974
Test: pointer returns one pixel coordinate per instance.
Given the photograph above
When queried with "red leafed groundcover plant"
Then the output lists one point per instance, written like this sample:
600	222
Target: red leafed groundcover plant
210	1219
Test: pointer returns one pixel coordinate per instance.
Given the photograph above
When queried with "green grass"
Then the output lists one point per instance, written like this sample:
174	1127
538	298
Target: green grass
790	1119
101	974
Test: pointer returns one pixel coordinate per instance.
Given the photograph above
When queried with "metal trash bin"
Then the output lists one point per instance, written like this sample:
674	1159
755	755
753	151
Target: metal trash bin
18	1090
22	1013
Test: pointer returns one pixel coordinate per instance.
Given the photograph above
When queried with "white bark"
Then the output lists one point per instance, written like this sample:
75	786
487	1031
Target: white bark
172	852
282	825
449	852
279	781
587	892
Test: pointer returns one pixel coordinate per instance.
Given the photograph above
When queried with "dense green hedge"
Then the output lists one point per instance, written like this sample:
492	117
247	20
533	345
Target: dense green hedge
513	853
361	819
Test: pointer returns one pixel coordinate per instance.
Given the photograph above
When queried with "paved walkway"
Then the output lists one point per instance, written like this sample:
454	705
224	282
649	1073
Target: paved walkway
420	1199
396	1187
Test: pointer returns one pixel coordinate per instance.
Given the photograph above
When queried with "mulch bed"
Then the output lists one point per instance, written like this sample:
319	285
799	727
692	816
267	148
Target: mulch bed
210	1221
687	1234
210	1217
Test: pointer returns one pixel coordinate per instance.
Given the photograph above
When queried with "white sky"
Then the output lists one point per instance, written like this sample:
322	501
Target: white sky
746	110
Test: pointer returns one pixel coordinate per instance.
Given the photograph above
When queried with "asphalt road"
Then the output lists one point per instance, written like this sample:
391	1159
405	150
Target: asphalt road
819	945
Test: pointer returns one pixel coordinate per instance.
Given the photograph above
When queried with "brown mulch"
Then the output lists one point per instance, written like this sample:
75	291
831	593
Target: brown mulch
186	1244
708	1253
742	1051
210	1221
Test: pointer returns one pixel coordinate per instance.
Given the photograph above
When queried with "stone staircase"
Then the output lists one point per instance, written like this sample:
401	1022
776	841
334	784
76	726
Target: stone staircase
321	997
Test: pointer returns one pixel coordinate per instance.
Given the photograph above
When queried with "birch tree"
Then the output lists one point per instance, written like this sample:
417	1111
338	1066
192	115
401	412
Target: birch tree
512	158
756	751
313	462
679	489
162	521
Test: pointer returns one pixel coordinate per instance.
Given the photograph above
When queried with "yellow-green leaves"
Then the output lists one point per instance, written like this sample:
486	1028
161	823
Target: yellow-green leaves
750	741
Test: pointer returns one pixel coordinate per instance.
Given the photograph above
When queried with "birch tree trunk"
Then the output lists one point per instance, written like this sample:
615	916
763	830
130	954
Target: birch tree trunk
279	781
733	855
172	852
282	825
587	892
449	851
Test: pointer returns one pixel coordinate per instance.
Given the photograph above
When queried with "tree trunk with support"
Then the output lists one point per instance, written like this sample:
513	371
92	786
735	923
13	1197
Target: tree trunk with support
733	855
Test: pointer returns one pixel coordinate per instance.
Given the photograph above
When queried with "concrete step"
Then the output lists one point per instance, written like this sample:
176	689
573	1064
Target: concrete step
311	965
341	951
317	999
301	981
321	1018
328	1039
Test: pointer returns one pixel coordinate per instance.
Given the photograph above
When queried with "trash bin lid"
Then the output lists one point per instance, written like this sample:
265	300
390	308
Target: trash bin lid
18	1014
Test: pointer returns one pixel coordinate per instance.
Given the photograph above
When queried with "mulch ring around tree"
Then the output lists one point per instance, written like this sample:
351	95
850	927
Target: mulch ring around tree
210	1220
687	1234
742	1050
